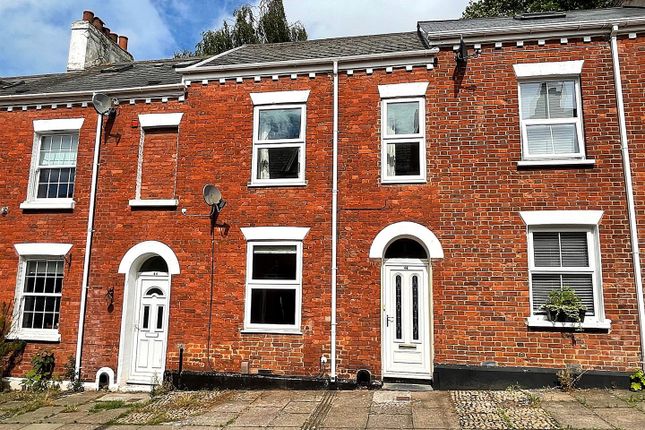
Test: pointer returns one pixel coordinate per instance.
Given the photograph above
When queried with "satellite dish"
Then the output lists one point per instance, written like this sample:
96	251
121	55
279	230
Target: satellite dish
102	103
212	195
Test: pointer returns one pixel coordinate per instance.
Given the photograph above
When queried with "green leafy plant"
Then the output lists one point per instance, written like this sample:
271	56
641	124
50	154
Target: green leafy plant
40	376
9	349
564	305
637	381
69	373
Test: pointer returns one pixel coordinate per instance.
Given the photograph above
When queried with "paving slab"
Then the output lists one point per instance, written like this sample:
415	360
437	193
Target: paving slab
274	398
554	395
574	415
35	416
124	397
285	419
102	417
42	426
219	419
600	399
346	417
78	398
385	421
300	407
256	416
11	426
81	427
392	408
622	418
434	418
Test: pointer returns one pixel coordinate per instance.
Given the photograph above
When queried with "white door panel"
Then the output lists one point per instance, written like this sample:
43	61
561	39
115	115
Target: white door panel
406	338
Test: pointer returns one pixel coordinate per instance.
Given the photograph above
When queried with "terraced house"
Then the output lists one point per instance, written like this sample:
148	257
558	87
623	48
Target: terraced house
386	206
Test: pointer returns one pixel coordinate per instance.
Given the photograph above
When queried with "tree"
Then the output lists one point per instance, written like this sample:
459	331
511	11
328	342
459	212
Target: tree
271	26
493	8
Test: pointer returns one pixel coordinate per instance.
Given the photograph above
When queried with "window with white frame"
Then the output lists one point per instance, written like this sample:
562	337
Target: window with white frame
564	253
551	110
39	289
53	168
273	279
279	135
403	132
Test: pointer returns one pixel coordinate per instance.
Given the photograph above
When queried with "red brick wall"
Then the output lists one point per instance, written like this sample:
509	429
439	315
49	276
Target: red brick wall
470	201
159	164
18	226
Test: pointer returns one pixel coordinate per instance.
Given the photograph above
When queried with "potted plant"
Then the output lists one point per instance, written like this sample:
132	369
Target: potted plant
564	305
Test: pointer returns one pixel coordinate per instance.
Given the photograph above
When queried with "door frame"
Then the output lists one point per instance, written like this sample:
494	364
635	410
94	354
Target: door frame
134	336
129	266
429	347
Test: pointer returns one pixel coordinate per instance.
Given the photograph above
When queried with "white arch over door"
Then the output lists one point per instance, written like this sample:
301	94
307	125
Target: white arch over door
410	230
130	265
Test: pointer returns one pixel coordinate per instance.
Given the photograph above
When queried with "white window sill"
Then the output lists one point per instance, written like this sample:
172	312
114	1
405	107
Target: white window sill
588	323
139	203
403	181
36	335
548	163
277	184
271	331
44	204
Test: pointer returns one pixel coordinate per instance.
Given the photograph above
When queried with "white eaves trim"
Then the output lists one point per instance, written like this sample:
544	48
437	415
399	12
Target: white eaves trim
412	89
561	68
160	120
280	97
274	233
531	218
45	125
153	202
27	249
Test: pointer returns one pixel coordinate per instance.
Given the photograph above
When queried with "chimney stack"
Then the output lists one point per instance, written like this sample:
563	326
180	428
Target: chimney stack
93	44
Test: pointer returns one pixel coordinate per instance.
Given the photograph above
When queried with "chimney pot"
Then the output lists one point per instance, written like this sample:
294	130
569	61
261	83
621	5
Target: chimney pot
123	42
98	23
114	37
88	15
106	31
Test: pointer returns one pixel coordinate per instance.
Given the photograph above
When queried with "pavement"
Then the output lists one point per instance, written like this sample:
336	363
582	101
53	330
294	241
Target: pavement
359	409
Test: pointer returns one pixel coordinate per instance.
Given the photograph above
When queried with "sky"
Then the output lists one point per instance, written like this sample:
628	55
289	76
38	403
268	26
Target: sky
36	32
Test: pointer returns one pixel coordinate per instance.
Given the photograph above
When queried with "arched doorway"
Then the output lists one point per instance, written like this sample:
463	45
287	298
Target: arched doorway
144	327
406	250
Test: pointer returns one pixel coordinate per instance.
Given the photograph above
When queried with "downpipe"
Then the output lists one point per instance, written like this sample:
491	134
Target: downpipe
334	227
629	190
88	246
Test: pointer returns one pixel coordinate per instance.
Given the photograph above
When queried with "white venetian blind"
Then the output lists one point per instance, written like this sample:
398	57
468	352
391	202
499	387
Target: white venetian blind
568	251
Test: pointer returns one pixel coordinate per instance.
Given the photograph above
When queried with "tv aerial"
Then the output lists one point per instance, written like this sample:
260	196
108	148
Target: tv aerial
103	104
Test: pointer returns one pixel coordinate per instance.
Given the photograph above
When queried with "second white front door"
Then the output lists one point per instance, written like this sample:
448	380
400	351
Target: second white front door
406	322
151	331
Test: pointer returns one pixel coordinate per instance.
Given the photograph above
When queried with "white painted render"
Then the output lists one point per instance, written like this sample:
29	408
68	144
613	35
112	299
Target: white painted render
412	89
89	47
279	97
559	68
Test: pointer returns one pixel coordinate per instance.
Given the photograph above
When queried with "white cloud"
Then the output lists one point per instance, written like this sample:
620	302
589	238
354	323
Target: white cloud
332	18
37	31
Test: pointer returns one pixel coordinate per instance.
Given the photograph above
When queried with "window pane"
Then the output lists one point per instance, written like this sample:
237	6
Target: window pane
58	150
562	99
278	163
546	249
270	306
146	317
274	262
574	249
399	326
159	317
415	307
403	118
542	284
403	159
56	183
533	102
552	139
276	124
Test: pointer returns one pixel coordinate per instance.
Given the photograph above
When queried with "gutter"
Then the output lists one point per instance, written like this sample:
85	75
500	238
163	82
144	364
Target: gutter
506	33
88	247
334	225
629	190
177	89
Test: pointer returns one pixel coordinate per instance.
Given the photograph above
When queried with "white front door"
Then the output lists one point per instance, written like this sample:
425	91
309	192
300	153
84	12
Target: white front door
406	322
150	330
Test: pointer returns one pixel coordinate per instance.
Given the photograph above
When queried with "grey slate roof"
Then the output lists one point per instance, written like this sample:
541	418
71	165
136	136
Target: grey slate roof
436	29
321	48
136	74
